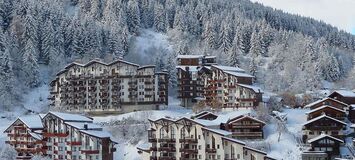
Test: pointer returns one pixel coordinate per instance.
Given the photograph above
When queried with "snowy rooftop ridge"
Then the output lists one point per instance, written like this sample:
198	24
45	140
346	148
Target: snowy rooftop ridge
254	88
239	74
344	93
324	106
70	117
80	125
323	136
246	116
189	56
218	131
321	100
229	68
32	121
234	140
323	116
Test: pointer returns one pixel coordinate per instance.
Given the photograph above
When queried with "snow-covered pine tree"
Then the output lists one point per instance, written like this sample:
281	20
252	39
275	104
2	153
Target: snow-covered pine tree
6	13
29	66
133	17
159	18
225	41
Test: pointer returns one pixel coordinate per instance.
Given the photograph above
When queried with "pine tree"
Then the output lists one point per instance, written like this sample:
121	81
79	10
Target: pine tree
6	13
159	18
29	65
133	17
225	41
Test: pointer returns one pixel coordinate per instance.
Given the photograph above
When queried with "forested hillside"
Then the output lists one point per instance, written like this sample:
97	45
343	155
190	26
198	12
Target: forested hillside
285	52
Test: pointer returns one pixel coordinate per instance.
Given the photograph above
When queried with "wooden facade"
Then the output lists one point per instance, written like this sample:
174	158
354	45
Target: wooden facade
328	101
206	115
326	110
345	96
323	124
326	143
245	127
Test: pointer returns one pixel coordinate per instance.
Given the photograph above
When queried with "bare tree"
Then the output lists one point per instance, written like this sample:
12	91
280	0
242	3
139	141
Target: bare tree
199	106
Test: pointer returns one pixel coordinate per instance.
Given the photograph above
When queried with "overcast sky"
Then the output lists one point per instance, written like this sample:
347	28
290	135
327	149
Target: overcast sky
339	13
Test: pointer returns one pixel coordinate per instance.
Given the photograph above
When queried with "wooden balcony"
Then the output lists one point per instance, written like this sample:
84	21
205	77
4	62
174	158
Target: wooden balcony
187	150
90	151
246	99
188	140
167	158
47	134
252	126
166	140
167	148
248	134
211	150
74	143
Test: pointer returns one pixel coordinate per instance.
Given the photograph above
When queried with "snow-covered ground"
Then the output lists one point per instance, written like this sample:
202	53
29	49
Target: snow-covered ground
287	148
36	100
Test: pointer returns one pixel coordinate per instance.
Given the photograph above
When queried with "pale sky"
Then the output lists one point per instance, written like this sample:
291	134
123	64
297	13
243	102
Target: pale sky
339	13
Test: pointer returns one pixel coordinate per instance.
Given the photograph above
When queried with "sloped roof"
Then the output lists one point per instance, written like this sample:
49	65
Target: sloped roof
324	136
32	121
70	117
325	106
189	56
239	74
218	131
80	125
254	88
344	93
229	68
234	140
321	100
204	113
321	117
243	117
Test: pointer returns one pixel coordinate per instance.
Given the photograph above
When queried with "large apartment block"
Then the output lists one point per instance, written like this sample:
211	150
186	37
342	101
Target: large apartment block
186	139
199	77
117	87
60	136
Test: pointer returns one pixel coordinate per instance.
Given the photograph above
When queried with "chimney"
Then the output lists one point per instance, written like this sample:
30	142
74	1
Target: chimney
85	126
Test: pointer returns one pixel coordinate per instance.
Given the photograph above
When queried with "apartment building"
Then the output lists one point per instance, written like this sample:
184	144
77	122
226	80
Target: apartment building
106	88
186	138
25	135
191	70
65	136
230	86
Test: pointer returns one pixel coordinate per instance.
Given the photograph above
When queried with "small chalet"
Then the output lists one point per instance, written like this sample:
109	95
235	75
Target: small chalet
326	143
326	110
345	96
323	124
328	101
25	136
318	155
206	115
245	126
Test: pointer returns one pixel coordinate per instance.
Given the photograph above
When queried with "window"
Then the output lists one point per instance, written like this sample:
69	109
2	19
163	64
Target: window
182	131
172	132
162	132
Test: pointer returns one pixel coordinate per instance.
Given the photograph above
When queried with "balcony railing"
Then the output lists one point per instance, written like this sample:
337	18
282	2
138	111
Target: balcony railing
188	140
211	150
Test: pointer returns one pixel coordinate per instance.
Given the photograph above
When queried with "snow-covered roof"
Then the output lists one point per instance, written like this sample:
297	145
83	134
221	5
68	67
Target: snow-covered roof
70	117
189	56
345	93
324	106
98	134
324	136
246	116
234	140
255	150
206	122
352	125
144	146
218	131
32	121
80	125
254	88
36	135
146	66
191	68
210	56
239	74
42	115
321	100
323	116
229	68
203	113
